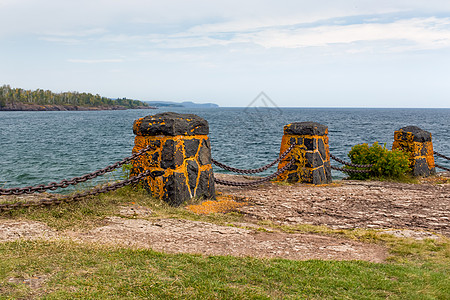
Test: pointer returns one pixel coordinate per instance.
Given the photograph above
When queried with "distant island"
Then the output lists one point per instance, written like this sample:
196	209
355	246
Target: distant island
186	104
16	99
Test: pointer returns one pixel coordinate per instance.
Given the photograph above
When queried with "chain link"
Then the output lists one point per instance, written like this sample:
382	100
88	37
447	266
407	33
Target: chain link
441	155
441	167
350	170
254	171
74	181
77	196
255	182
349	164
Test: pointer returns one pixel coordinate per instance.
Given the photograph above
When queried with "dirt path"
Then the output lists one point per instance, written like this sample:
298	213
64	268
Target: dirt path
350	204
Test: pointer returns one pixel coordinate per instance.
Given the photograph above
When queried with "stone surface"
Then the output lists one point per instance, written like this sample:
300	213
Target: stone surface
311	153
306	128
192	171
176	189
206	187
180	165
171	124
418	143
419	135
191	147
204	155
349	204
313	160
421	167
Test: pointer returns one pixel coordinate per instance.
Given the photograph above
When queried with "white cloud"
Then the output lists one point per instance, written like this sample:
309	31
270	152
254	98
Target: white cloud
95	61
41	16
400	35
430	33
203	24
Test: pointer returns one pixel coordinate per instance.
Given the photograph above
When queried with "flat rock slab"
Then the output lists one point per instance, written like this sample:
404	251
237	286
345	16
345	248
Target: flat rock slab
11	230
183	236
349	204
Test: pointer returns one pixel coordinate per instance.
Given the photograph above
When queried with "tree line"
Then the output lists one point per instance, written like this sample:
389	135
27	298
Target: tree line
10	95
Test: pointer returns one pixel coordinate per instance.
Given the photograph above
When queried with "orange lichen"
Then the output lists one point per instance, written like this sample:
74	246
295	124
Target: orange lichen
219	206
415	149
298	153
147	161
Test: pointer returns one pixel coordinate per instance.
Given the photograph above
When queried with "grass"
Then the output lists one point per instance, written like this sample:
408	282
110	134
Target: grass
405	178
70	270
60	269
90	212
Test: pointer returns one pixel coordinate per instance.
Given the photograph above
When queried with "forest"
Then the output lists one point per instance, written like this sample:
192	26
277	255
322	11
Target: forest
11	96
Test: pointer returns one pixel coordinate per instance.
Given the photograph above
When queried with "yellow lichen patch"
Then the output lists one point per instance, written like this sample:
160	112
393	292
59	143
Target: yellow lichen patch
137	125
219	206
430	154
435	180
305	145
169	158
416	150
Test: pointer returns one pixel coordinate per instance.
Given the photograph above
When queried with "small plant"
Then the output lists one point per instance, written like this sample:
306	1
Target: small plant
387	164
126	171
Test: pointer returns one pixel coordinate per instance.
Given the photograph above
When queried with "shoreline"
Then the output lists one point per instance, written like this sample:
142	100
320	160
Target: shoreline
37	107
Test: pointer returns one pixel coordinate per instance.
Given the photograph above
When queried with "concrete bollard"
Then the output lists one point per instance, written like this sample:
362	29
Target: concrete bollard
418	144
181	161
311	153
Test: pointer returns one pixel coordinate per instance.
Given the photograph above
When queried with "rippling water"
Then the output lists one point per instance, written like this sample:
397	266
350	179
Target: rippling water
40	147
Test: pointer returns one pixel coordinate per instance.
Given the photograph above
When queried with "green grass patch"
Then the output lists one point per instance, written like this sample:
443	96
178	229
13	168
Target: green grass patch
70	270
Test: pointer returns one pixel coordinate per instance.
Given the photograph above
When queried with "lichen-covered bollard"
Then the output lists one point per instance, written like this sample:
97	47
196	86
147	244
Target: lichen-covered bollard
311	153
418	144
181	159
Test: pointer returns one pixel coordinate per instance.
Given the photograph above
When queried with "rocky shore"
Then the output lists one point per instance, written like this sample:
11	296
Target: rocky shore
37	107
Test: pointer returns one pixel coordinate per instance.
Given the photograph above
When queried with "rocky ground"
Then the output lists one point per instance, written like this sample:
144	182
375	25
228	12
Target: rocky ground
410	210
351	204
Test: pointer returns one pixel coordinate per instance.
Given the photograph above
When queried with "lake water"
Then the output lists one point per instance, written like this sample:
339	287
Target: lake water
40	147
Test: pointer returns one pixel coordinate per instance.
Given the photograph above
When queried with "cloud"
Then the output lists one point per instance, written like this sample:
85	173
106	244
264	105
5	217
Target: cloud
360	35
95	61
40	16
176	24
428	33
77	33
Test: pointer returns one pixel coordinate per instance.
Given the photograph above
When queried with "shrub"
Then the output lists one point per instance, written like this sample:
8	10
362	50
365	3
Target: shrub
389	164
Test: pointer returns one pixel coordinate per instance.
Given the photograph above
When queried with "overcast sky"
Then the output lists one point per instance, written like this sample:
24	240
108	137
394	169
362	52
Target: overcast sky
300	53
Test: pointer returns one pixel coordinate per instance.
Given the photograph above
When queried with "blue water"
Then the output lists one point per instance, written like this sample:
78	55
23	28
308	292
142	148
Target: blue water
40	147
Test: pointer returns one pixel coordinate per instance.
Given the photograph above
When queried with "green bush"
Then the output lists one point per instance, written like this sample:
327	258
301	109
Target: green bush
388	164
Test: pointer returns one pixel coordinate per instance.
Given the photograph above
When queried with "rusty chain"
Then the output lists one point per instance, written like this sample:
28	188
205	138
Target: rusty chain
349	164
350	170
441	167
441	155
258	170
76	196
255	182
74	181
